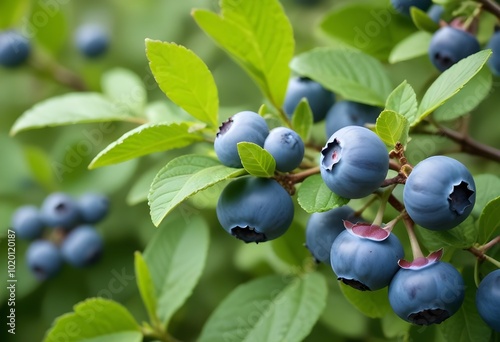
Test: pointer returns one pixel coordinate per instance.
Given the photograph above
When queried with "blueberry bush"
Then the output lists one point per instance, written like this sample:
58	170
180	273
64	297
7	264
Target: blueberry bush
272	170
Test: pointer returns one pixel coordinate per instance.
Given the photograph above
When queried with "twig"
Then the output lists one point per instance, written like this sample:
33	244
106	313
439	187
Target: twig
491	7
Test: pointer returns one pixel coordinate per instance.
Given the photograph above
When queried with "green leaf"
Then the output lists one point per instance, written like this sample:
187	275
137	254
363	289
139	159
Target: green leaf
274	308
69	109
466	324
185	79
451	82
413	46
314	196
487	186
422	20
40	166
258	36
146	139
257	161
183	177
290	247
374	304
369	26
393	327
12	11
176	258
403	100
95	319
392	127
489	221
302	119
126	89
145	284
472	94
352	74
52	35
463	236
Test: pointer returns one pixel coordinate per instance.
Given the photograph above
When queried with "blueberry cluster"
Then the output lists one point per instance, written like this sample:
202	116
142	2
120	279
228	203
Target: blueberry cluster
439	193
62	229
250	208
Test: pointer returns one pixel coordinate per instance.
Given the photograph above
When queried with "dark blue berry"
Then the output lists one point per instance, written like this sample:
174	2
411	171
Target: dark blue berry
27	223
43	259
82	246
287	148
14	49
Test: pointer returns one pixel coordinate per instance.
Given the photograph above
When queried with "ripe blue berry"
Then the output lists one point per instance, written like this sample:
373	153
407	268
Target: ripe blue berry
494	61
450	45
365	256
488	300
242	127
43	259
426	291
59	210
92	40
287	148
255	209
354	162
319	98
348	113
14	49
323	228
403	6
82	246
435	12
27	223
440	193
93	207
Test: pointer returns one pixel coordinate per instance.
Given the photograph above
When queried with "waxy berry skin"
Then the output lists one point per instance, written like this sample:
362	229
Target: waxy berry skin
427	294
244	126
354	162
439	193
43	259
320	99
255	209
286	147
488	299
450	45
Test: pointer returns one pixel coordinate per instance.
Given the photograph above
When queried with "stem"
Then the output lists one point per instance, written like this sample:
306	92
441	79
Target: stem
295	178
48	67
360	211
470	145
410	229
399	179
491	7
383	203
492	260
490	244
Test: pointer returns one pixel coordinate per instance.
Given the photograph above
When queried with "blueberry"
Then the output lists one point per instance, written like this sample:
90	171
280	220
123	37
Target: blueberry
82	246
60	210
488	299
244	126
354	162
93	207
435	12
403	6
92	40
449	45
426	294
255	209
494	61
27	223
14	49
287	148
323	228
319	98
439	193
365	257
348	113
44	259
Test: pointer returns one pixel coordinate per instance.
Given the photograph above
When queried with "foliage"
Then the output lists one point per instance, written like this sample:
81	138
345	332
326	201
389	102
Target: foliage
124	137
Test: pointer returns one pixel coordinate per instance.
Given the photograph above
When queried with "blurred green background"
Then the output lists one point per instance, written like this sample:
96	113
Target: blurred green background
30	166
